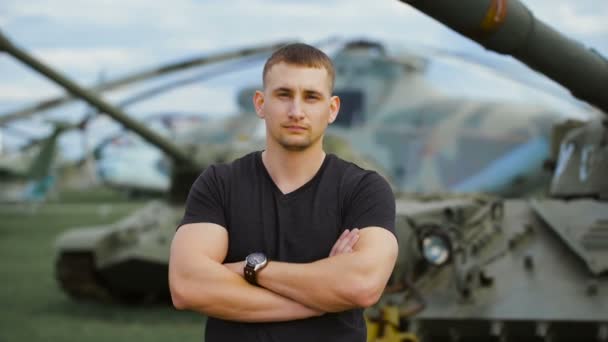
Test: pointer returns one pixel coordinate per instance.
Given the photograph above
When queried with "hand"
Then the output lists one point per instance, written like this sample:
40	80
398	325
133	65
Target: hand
345	242
236	267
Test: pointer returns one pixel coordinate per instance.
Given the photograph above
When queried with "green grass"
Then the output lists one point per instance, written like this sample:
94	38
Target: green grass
35	309
97	194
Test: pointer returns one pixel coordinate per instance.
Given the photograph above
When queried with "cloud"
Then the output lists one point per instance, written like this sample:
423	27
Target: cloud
88	60
582	23
24	92
194	99
212	20
461	78
574	18
110	12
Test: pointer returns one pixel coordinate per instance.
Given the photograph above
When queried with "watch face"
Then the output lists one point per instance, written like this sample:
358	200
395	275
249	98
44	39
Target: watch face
256	258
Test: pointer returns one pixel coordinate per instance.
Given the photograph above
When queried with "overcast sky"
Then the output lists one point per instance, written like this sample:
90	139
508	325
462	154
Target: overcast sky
84	38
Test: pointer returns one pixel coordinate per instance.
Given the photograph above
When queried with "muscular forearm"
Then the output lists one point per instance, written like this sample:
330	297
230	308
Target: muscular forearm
212	289
329	284
340	282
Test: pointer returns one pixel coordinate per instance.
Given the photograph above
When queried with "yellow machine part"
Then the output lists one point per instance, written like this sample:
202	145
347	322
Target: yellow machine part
386	328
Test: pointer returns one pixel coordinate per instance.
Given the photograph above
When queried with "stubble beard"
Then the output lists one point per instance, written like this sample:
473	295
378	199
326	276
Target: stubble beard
300	144
295	146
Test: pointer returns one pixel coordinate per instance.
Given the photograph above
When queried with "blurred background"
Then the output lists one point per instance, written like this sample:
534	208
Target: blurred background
93	41
406	78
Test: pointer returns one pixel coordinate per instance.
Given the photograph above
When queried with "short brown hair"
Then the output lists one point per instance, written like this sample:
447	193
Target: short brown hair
302	55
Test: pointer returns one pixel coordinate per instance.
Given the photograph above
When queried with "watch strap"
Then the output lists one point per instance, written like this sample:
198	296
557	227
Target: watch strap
250	274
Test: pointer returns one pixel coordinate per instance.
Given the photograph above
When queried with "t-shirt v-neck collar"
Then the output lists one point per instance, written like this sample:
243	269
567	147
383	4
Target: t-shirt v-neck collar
297	191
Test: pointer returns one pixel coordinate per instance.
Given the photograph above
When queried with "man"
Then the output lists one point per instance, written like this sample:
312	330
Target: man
287	244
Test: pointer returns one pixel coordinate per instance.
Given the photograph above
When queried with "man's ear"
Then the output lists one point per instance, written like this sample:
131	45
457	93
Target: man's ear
334	108
258	103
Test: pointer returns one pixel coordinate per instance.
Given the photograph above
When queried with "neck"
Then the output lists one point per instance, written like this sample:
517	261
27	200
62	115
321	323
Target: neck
291	169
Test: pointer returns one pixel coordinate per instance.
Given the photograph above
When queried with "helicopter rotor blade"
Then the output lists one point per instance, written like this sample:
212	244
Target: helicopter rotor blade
504	70
141	76
203	76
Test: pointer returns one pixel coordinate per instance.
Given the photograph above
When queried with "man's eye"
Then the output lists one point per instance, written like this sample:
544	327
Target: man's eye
312	97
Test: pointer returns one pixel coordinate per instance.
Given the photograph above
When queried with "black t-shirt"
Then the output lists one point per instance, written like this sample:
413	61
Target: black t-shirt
297	227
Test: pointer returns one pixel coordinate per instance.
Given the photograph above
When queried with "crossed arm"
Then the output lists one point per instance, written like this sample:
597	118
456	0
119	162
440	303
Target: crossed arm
353	275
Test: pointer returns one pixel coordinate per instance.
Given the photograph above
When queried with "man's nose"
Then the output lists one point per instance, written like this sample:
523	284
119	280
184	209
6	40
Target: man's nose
296	110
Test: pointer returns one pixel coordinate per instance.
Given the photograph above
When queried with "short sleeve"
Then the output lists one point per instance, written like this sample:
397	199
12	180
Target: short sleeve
372	203
205	200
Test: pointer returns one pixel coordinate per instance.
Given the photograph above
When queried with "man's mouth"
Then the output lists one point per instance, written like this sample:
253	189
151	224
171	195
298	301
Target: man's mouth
295	127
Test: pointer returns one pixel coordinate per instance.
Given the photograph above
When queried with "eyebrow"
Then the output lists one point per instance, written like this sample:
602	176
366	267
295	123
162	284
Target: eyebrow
313	92
306	92
282	89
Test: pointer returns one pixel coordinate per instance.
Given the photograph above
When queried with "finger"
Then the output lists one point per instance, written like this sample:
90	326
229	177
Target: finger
334	247
349	243
344	234
353	238
344	242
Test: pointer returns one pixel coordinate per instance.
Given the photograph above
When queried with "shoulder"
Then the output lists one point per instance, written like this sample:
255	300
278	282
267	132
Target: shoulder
367	199
353	176
224	172
245	163
211	192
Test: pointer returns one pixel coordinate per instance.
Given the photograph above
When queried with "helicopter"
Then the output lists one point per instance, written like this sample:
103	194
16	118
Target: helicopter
146	173
125	162
439	130
29	176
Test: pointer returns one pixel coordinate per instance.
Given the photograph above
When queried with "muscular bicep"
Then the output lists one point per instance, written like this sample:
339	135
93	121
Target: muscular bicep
198	240
197	252
377	250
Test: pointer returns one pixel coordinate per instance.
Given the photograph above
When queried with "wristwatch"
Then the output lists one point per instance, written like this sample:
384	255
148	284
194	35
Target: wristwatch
253	264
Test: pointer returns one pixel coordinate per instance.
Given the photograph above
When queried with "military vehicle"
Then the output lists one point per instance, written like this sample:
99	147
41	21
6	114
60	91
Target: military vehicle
29	175
482	268
151	179
126	162
376	120
83	256
388	102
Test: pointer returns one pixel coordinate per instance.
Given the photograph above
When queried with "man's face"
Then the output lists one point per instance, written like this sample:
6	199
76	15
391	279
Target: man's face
297	105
